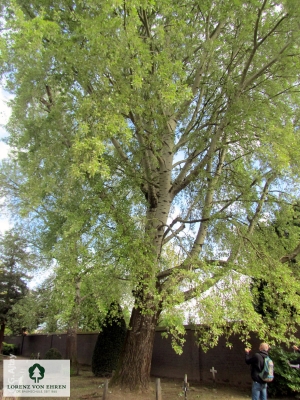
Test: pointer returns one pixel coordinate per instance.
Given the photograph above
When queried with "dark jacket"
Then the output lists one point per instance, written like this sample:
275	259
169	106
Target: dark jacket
257	363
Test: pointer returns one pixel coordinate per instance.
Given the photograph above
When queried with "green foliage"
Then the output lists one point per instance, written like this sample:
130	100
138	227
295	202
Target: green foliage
8	331
15	263
53	354
172	322
154	144
27	312
109	343
279	238
8	349
286	379
20	262
71	295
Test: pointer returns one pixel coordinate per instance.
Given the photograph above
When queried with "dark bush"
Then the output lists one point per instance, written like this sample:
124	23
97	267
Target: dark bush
109	343
8	349
286	379
53	354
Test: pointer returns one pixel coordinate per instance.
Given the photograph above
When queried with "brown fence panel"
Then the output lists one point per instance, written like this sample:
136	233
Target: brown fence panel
85	347
34	344
166	363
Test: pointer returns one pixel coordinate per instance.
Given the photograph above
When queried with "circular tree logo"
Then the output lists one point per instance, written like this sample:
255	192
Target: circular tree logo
36	372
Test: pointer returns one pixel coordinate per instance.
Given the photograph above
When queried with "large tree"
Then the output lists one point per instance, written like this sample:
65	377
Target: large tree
178	121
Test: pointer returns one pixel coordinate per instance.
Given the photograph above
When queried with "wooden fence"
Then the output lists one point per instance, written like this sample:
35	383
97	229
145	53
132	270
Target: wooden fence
220	364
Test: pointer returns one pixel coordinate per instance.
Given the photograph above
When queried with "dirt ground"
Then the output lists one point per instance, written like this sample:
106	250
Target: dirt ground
88	387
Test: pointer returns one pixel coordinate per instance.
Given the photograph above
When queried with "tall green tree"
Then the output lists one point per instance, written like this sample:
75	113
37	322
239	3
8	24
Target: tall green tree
15	263
176	121
65	234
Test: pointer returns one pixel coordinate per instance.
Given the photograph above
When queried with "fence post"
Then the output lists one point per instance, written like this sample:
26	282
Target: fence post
185	386
105	390
158	389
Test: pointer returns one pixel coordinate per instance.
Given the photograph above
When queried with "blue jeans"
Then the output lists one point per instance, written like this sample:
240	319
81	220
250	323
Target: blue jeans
259	391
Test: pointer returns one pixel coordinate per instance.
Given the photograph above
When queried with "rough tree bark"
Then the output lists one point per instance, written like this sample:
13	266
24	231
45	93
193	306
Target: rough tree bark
137	353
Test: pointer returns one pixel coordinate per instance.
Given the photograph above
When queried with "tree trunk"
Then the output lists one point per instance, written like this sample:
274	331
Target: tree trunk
71	350
134	370
71	343
2	329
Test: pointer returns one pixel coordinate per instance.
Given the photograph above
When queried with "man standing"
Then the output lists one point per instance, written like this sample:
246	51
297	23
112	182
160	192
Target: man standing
259	387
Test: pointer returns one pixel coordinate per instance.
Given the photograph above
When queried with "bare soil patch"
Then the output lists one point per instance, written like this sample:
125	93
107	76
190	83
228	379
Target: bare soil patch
88	387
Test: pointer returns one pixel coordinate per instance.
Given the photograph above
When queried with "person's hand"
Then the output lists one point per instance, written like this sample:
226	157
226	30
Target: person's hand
295	347
247	350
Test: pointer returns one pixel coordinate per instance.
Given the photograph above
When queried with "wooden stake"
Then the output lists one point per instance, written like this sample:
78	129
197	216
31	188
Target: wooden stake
185	386
158	389
105	390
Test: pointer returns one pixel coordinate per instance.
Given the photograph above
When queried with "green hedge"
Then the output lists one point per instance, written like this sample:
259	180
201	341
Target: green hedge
8	349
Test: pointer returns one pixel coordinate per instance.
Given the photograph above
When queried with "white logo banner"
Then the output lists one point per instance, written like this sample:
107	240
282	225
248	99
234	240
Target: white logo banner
36	378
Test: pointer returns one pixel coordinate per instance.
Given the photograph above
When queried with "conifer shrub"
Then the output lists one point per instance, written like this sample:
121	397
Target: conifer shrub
109	343
53	354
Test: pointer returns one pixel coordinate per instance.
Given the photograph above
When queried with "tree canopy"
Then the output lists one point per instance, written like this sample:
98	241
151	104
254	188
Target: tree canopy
173	129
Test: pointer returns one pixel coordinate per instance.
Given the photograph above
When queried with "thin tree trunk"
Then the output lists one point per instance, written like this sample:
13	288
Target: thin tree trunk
71	345
71	349
2	329
135	366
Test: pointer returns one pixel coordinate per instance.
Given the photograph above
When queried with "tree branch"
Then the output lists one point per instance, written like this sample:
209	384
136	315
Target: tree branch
291	256
261	202
265	67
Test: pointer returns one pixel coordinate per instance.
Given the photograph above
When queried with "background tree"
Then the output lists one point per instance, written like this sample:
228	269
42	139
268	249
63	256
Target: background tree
15	263
66	236
162	123
26	314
